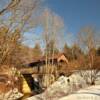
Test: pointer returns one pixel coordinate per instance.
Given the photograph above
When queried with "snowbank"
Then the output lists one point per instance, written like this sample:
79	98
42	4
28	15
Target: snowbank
63	86
81	97
90	93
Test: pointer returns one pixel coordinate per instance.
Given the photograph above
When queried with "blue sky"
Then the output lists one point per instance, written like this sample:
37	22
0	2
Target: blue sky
76	13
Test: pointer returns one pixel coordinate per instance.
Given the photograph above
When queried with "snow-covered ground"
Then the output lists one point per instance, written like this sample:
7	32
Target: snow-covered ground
69	88
90	93
63	86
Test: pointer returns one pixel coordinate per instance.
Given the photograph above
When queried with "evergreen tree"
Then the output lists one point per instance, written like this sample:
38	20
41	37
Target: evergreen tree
51	48
37	52
76	51
98	51
67	51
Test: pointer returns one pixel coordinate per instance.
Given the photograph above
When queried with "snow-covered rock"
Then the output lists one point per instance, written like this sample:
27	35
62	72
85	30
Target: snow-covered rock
11	95
63	86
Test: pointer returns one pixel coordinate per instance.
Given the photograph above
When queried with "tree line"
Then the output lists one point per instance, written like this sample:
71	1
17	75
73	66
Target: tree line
21	17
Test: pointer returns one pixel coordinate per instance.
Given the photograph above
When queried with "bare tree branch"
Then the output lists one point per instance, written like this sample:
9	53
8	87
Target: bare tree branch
11	5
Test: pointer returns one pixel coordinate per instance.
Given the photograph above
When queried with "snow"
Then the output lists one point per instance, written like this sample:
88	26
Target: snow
90	93
81	97
11	95
76	88
60	88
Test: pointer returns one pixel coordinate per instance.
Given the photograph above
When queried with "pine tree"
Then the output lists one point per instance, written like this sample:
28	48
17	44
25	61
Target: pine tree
37	52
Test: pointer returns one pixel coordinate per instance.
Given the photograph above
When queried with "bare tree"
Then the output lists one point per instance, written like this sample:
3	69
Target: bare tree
19	13
89	42
11	5
12	28
52	31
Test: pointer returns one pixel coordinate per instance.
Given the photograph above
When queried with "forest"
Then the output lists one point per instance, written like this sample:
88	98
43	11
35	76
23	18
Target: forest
21	44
